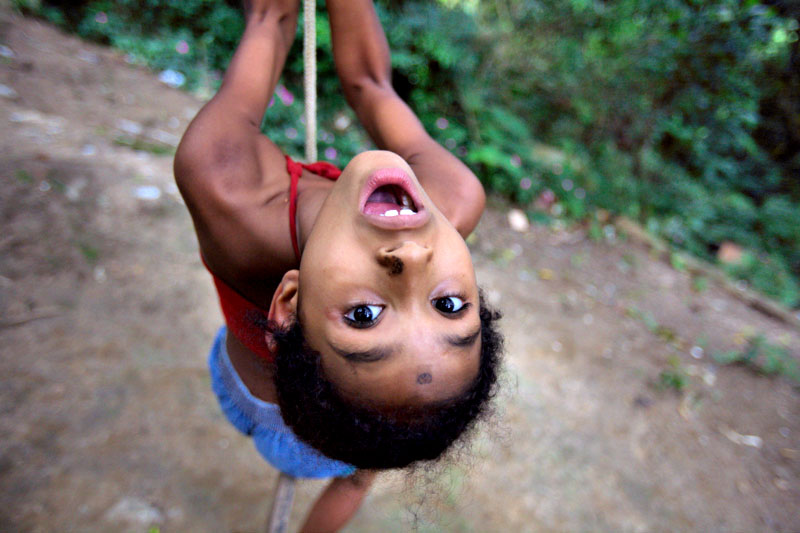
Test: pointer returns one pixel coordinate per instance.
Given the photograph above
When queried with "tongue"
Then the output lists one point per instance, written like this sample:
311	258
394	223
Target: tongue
382	196
381	201
384	201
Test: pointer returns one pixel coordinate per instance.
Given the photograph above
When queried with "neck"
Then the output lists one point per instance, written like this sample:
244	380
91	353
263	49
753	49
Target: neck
312	191
254	371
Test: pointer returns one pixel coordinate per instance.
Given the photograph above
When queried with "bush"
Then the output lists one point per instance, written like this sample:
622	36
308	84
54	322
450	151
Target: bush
678	113
660	103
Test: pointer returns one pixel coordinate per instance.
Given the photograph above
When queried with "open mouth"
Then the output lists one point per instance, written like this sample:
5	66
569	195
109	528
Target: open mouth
391	199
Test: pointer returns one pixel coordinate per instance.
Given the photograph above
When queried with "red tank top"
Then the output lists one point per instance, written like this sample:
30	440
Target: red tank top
247	321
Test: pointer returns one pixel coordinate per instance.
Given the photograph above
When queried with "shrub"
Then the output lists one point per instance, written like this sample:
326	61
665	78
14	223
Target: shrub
678	113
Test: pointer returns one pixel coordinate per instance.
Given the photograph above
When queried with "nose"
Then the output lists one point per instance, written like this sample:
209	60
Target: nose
407	256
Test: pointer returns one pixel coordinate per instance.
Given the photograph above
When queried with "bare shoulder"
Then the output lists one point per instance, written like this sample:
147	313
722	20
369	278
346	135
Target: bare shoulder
233	178
217	154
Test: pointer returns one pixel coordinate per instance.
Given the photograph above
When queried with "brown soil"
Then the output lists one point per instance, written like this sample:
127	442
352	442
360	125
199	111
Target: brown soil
106	315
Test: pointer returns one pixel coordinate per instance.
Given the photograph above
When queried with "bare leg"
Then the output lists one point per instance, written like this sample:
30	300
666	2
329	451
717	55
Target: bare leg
338	503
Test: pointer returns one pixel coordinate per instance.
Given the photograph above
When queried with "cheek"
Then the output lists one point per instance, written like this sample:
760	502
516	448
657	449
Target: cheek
354	380
332	314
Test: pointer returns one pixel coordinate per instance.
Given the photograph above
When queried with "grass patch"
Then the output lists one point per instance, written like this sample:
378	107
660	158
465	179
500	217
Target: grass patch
91	253
674	377
762	357
144	146
23	176
652	325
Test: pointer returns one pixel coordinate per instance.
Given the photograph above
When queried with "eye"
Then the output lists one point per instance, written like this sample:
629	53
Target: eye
449	304
363	316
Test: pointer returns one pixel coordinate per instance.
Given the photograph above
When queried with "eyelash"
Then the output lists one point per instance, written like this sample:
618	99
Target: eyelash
455	314
359	325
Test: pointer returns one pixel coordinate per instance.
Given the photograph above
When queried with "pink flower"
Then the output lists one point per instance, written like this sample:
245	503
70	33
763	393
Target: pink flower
330	153
545	200
516	161
525	184
101	18
286	97
182	47
442	123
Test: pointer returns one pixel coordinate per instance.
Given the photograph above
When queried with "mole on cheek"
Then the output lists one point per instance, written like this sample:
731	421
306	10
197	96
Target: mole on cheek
424	378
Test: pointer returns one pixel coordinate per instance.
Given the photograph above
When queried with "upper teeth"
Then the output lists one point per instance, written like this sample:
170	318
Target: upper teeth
394	213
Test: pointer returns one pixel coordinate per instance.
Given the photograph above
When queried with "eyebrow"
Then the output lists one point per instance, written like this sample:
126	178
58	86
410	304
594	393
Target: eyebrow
367	356
465	341
383	352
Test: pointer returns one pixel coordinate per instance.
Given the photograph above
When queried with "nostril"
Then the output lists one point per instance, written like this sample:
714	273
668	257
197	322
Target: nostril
406	247
395	258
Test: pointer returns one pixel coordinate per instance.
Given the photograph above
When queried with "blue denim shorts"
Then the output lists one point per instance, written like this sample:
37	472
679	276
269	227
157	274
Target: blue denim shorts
262	421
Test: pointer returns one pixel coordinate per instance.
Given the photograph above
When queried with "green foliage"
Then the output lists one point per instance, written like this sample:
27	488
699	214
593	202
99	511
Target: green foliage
699	284
674	377
762	357
193	37
678	113
769	274
659	102
23	176
650	322
144	146
91	253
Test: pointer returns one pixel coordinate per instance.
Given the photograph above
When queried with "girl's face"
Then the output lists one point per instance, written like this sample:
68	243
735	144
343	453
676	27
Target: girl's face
387	290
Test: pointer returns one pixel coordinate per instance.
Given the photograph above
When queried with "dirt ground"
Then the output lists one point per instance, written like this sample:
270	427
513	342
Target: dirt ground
106	314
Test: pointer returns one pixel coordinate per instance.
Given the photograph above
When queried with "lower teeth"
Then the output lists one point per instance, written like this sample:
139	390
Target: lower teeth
406	211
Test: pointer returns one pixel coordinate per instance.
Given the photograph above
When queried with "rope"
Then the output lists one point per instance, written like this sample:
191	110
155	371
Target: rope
310	76
278	521
284	491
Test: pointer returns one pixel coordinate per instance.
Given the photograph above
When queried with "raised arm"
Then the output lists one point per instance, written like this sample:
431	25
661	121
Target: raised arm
226	169
363	63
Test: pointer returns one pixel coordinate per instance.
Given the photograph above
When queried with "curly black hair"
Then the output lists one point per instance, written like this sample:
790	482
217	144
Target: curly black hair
363	435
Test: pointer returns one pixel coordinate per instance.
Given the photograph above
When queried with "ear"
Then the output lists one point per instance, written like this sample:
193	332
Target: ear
284	304
284	301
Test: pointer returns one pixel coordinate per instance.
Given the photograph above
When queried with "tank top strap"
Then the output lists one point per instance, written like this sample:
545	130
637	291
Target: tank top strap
295	171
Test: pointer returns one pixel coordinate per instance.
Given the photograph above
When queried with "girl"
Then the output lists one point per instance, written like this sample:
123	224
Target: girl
356	336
